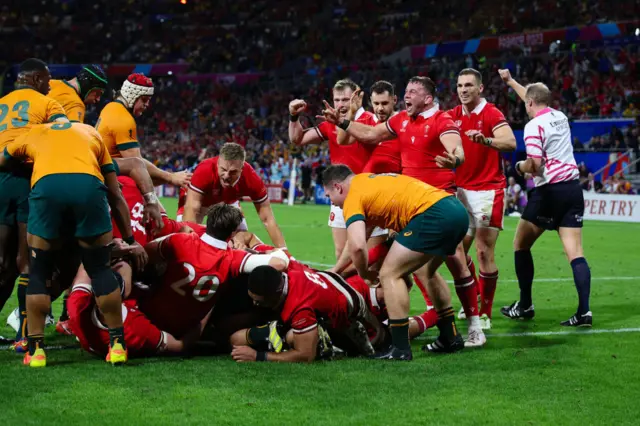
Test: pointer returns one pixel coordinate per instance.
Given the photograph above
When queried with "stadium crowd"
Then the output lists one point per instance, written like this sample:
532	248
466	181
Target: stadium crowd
187	118
263	35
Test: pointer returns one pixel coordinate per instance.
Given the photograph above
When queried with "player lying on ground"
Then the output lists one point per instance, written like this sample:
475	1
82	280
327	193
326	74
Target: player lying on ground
86	322
303	298
194	269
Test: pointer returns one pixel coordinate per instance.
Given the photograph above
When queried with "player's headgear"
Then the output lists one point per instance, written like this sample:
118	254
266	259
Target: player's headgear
134	86
91	77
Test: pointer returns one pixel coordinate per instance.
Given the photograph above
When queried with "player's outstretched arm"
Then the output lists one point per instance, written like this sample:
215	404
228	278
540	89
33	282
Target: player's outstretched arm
265	212
192	207
520	90
361	132
453	156
159	177
135	168
304	350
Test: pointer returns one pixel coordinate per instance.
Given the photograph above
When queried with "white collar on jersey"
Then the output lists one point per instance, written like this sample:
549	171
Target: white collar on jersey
477	110
359	112
214	242
428	113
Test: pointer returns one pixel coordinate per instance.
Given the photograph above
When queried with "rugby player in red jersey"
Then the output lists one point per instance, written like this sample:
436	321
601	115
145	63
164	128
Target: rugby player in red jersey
481	180
430	148
302	296
384	157
227	178
143	338
354	155
195	268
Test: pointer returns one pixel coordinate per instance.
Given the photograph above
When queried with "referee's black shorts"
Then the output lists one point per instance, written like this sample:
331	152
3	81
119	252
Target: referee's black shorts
557	205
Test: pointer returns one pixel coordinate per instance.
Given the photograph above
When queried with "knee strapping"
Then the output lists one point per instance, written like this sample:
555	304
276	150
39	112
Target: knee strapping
41	270
96	263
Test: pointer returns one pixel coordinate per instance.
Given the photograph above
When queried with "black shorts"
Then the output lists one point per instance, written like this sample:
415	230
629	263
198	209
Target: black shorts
558	205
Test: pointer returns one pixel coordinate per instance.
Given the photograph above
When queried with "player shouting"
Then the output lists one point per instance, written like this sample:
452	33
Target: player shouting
480	180
227	178
430	148
353	155
556	203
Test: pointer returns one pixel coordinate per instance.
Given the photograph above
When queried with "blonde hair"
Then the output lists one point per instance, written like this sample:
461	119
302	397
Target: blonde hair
232	151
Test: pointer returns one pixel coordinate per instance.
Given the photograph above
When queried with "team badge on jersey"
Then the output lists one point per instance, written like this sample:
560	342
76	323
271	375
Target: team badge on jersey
458	123
404	125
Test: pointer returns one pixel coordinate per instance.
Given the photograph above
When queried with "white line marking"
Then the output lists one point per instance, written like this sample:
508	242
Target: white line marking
542	280
563	333
53	347
551	333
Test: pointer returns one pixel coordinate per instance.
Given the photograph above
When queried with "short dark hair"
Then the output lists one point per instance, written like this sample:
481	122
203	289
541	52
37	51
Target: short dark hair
382	86
265	281
472	71
335	173
223	220
344	83
33	64
425	82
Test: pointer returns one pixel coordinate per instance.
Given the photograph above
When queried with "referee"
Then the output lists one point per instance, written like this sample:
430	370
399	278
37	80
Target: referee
556	202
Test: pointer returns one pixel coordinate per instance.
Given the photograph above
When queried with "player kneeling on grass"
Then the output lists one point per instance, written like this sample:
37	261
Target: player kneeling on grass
143	338
430	223
69	199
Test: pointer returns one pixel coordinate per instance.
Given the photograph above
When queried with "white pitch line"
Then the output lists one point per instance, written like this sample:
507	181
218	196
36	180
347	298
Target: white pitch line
564	333
543	280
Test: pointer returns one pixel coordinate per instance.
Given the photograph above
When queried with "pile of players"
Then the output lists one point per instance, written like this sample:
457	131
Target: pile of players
79	214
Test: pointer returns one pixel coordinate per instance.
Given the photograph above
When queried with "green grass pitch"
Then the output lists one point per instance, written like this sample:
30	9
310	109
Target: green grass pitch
529	372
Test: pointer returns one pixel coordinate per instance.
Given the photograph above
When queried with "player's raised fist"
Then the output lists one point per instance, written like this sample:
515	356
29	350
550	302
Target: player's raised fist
505	75
296	106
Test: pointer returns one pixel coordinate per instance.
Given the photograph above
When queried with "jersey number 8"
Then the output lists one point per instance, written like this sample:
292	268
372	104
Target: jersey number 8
204	289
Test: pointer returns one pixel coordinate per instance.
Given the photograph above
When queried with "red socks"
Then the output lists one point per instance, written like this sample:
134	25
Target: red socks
423	289
426	320
467	292
472	269
488	281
